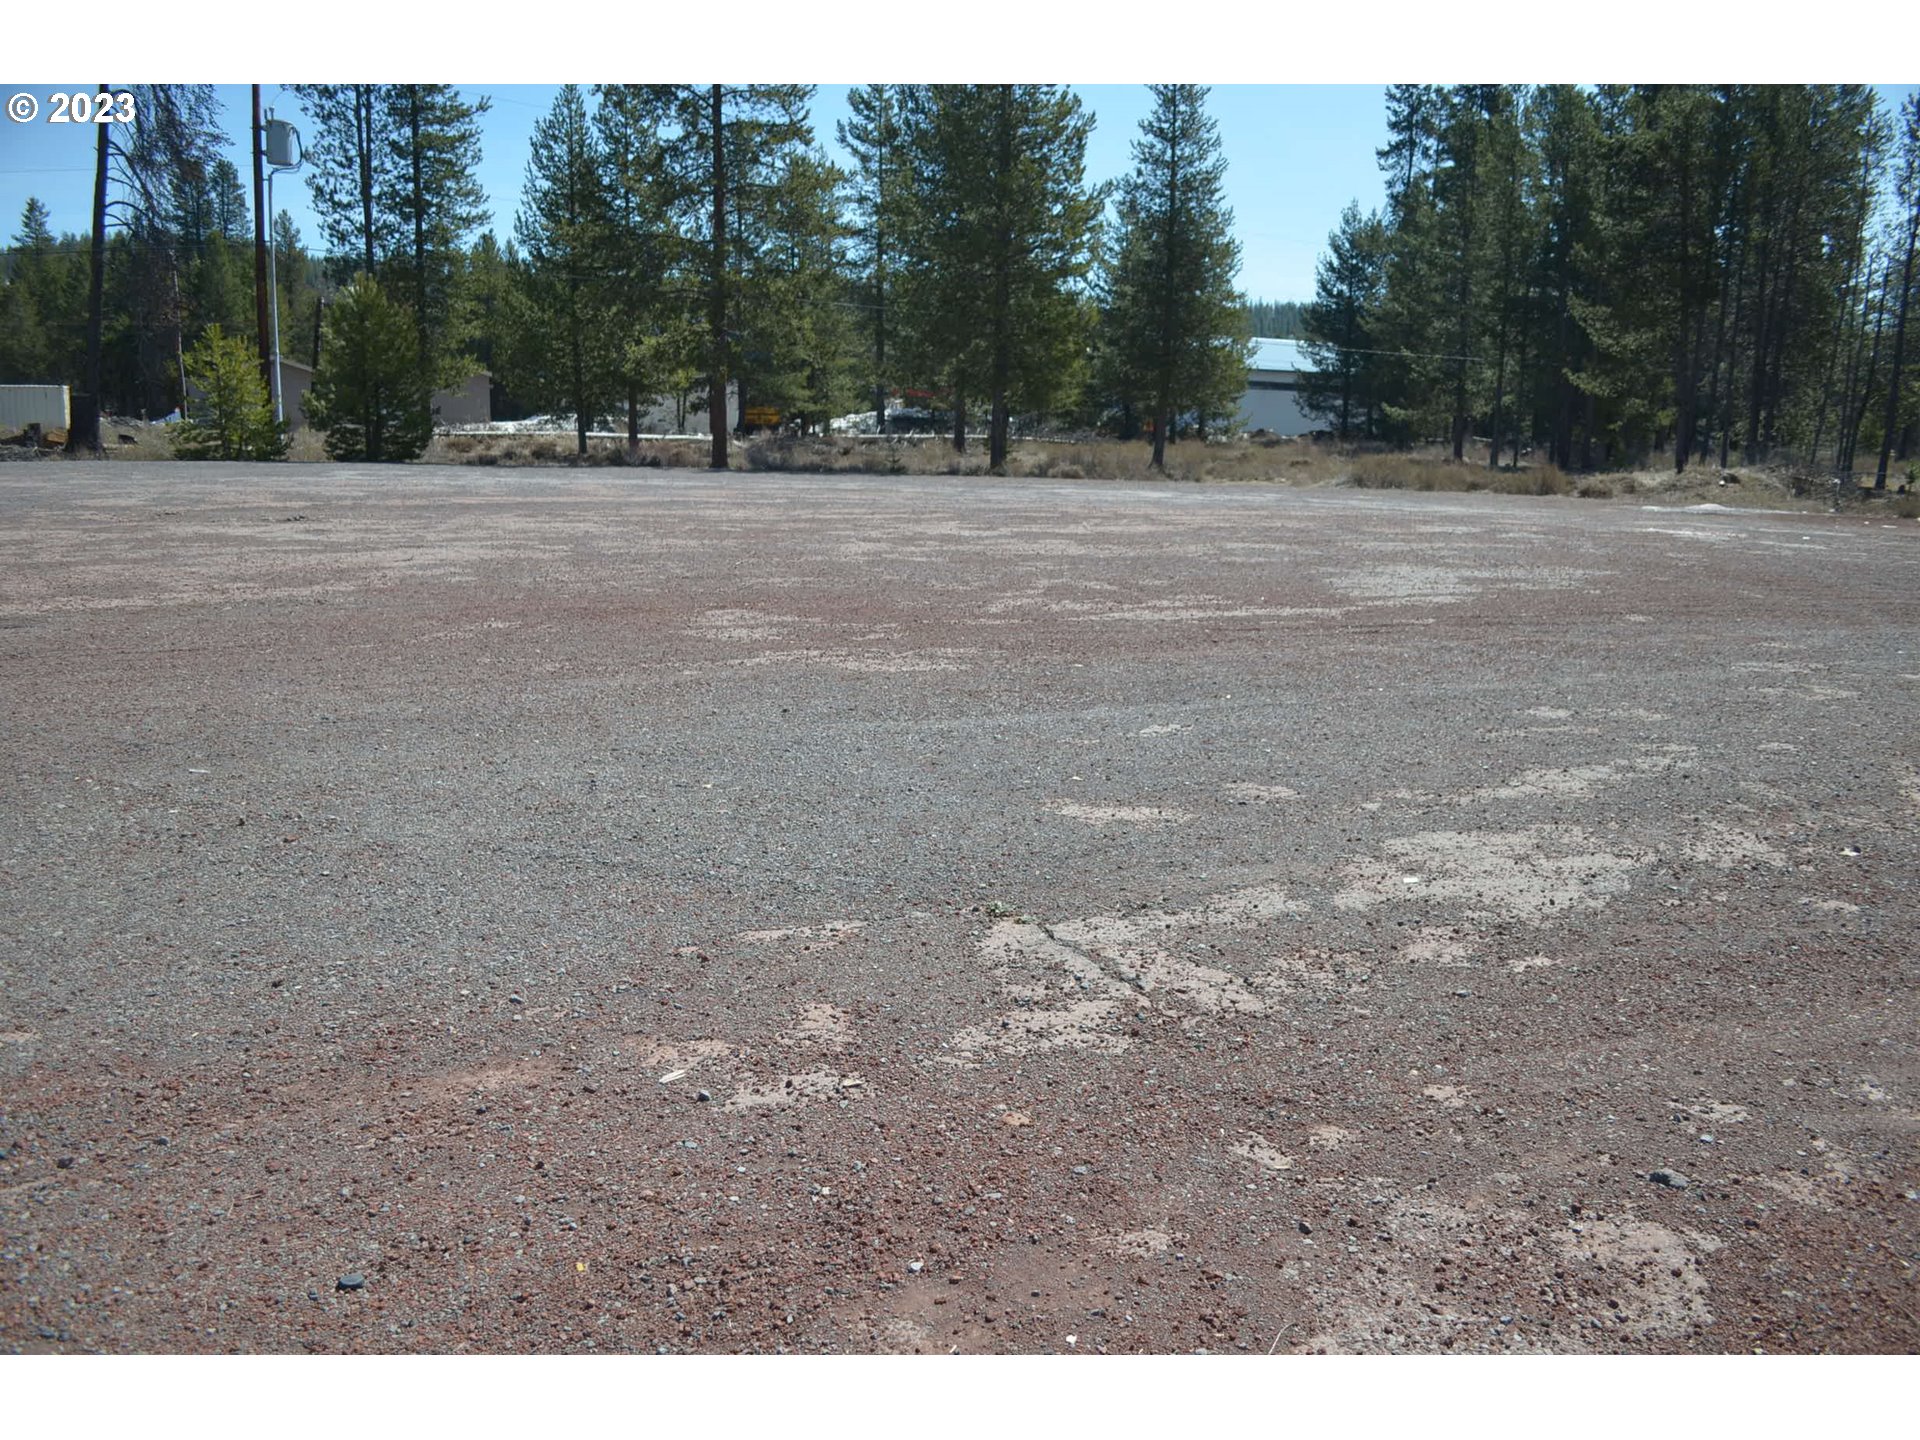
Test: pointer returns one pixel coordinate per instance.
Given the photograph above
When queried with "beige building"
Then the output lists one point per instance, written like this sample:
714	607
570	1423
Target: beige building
471	404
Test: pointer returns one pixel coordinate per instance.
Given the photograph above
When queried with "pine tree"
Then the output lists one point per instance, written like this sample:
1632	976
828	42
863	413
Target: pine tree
1907	194
874	138
656	348
431	195
349	167
721	157
27	350
1340	325
1178	324
367	394
1002	243
232	419
565	354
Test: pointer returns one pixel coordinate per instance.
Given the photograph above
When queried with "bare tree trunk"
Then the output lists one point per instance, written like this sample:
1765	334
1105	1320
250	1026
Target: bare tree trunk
363	124
1002	299
633	418
419	197
262	328
1899	354
717	300
1859	416
959	422
86	434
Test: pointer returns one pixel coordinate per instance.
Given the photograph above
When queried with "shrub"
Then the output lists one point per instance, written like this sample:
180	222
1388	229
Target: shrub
368	394
233	417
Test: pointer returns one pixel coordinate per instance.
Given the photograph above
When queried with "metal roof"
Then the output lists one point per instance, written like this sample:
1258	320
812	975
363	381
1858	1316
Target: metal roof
1281	355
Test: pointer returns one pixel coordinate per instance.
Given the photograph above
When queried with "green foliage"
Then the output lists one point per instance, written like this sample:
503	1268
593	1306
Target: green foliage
1619	271
1347	388
1000	244
744	301
368	395
431	191
232	416
393	170
565	345
1177	337
877	196
1276	320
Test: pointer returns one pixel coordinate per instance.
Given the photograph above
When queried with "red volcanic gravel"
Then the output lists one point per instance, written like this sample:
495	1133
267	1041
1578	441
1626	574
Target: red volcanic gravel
460	910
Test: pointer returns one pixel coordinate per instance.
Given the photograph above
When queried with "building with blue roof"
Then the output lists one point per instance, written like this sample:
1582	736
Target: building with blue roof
1272	401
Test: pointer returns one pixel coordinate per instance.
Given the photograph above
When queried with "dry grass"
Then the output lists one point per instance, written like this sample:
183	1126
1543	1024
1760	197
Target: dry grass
1269	460
1417	472
558	449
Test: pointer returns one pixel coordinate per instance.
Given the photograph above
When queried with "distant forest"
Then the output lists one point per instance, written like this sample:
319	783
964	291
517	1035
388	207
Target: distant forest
1277	319
1690	272
1620	275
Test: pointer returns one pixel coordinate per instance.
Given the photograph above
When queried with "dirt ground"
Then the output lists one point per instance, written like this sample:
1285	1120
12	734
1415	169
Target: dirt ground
467	910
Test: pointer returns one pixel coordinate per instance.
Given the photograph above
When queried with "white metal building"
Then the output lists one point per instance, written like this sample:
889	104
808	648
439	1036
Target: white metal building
1272	401
42	405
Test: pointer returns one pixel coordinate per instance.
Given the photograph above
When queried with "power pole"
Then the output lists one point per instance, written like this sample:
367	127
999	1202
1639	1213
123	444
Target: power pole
261	327
85	433
717	301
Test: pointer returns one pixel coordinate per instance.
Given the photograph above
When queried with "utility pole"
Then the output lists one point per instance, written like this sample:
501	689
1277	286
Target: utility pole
717	301
261	327
85	433
281	140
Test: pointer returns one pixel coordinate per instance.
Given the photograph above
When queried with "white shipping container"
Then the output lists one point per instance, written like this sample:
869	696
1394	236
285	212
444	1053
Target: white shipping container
42	405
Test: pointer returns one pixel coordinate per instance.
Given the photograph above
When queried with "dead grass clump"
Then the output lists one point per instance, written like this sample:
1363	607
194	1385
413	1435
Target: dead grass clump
1414	472
1594	490
1547	479
819	455
1395	472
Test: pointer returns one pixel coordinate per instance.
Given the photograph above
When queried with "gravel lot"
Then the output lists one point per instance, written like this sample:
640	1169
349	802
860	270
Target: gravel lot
466	910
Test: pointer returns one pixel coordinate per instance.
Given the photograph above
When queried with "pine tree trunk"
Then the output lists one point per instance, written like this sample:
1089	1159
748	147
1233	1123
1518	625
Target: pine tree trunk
86	435
1002	299
1685	337
363	123
717	300
1899	354
419	199
959	424
633	419
1868	389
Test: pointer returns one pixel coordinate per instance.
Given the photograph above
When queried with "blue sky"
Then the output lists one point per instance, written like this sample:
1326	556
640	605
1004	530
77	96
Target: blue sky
1296	154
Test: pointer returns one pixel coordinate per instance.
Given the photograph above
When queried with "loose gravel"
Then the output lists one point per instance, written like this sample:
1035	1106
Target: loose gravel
455	910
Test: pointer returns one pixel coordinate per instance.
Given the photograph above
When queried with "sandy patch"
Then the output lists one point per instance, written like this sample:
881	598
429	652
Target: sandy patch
1120	814
1438	945
792	1089
1725	846
1535	874
833	932
1143	1243
819	1027
1329	1137
1079	1026
1657	1287
1264	1155
1249	794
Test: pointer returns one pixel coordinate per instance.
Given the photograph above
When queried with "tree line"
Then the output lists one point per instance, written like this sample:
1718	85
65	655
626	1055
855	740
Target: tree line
693	243
1687	272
